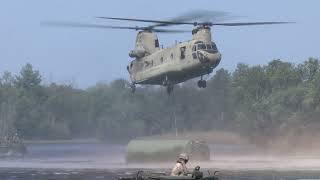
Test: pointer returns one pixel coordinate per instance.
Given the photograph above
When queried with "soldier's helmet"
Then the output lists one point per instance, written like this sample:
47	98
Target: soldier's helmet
183	156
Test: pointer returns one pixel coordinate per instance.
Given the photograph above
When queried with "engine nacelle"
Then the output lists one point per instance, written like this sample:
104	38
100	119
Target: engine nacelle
137	53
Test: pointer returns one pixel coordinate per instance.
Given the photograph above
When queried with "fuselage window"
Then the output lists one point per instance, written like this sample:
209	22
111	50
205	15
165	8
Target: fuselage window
194	48
183	52
146	64
156	43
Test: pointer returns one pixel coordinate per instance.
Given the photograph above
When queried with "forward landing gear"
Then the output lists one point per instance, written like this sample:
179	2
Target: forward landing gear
202	83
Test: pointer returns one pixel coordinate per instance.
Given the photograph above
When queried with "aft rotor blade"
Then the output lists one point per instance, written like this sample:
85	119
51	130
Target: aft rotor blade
148	20
188	18
83	25
198	16
248	23
99	26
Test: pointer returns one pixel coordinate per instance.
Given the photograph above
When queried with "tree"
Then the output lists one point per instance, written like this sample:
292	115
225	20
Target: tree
220	101
28	78
309	69
29	105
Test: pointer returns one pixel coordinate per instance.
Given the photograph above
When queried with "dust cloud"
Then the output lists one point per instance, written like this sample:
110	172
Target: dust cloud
228	152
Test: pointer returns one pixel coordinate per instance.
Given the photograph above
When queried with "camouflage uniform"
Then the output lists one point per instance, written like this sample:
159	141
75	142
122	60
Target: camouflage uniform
180	169
16	139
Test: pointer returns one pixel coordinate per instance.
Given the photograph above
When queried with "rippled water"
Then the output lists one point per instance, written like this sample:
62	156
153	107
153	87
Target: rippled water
55	174
94	174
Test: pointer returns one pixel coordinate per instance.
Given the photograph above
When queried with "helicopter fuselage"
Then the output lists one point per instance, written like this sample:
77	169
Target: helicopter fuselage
177	63
157	66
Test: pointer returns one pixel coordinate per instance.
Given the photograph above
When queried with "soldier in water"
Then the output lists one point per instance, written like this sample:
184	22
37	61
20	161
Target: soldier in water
180	169
16	138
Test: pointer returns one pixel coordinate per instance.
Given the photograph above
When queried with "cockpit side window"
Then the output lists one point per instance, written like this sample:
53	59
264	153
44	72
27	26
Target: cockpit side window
182	52
156	43
214	46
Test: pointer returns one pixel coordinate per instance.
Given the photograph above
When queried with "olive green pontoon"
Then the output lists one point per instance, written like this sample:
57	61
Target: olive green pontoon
159	150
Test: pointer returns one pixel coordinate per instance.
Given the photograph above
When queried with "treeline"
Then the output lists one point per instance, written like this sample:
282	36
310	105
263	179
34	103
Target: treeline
255	101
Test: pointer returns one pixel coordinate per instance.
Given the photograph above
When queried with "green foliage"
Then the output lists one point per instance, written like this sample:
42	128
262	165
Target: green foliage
253	100
28	78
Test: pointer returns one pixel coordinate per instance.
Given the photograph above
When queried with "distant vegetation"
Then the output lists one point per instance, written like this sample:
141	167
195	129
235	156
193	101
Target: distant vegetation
254	101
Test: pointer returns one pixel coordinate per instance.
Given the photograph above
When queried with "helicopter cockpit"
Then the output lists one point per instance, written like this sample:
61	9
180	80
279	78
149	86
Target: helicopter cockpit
208	48
211	48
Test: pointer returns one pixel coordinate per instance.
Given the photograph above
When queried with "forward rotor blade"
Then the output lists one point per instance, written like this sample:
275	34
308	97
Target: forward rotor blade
249	23
169	31
202	15
83	25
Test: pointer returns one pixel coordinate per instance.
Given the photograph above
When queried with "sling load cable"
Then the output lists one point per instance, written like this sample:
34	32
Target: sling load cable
172	102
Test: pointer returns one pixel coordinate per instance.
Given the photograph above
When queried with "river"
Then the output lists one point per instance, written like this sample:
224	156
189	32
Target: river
104	161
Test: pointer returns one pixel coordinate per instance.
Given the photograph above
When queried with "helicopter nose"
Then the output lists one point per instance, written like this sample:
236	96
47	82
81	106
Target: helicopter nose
209	58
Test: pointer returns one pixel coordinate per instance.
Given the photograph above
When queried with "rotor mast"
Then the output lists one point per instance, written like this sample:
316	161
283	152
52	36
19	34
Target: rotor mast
202	33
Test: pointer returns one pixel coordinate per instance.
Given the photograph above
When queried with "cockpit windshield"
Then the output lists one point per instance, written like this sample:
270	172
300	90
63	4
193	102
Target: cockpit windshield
201	46
209	47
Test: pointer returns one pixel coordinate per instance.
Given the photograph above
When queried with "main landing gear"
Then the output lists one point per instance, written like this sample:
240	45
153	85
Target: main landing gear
169	88
133	87
169	85
202	83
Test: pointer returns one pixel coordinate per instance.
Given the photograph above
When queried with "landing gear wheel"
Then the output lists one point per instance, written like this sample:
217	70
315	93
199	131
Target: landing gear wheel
199	84
202	84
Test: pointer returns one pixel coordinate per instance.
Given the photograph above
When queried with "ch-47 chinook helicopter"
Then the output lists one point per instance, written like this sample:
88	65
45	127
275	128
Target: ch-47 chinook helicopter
154	65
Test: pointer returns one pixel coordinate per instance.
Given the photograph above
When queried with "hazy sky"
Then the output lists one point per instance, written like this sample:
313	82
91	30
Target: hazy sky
86	56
